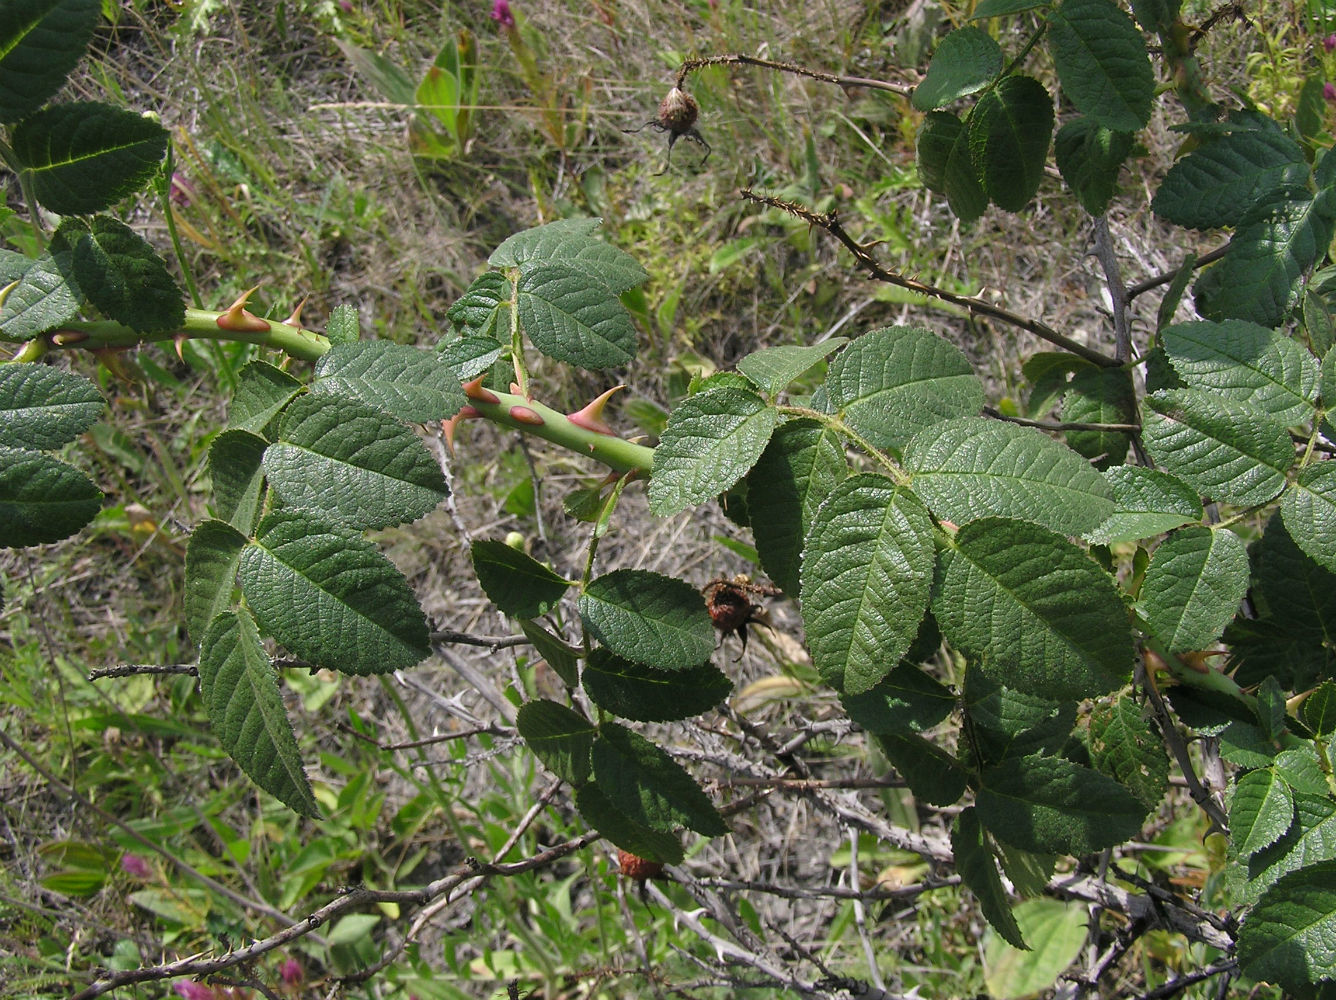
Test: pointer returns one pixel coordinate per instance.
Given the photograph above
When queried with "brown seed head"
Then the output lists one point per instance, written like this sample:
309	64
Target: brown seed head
678	111
637	868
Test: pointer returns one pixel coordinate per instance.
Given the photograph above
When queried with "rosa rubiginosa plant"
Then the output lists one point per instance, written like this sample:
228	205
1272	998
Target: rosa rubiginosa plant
1042	615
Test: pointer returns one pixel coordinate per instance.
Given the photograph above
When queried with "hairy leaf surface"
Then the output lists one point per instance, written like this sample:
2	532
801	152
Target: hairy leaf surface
1308	508
1260	812
640	693
406	382
573	318
42	499
1289	938
518	584
43	407
650	787
213	555
1192	590
1102	63
652	619
236	470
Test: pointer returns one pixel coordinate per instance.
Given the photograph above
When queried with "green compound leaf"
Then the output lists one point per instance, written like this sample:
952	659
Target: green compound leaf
1289	938
643	694
40	42
1311	839
518	584
246	711
570	242
1006	724
44	298
1089	157
1225	450
866	576
350	462
773	368
475	314
43	407
649	618
891	383
236	470
121	275
964	63
1192	590
1051	805
932	774
213	556
1274	246
944	162
1009	133
1035	610
613	823
1300	768
1214	185
406	382
1246	363
262	393
1100	396
572	317
799	467
469	357
974	467
1102	63
1123	746
84	157
1308	508
330	597
560	738
711	440
978	870
648	786
1260	812
42	499
906	699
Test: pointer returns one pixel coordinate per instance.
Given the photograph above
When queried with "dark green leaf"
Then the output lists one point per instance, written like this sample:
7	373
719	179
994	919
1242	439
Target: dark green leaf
1192	590
406	382
1215	184
1100	396
1289	938
905	699
83	157
331	598
353	463
560	656
1039	614
946	167
1319	709
560	738
1301	769
40	42
1049	374
235	469
469	357
965	62
1102	63
613	823
643	694
1004	8
262	393
1050	805
1089	157
773	368
121	275
1225	450
974	467
44	298
42	499
932	774
893	382
212	557
866	575
1260	812
711	440
246	711
1308	507
518	584
648	786
1006	724
475	314
574	318
570	243
978	870
796	472
652	619
43	407
1009	133
1123	746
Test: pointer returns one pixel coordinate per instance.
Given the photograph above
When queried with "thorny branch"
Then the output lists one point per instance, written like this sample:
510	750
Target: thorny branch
847	83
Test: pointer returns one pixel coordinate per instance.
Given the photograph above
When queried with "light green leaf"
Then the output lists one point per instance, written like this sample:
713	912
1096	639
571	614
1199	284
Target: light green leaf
964	63
571	317
1260	812
42	407
1035	610
974	467
262	393
1192	590
212	557
890	383
236	470
613	823
41	41
1289	938
42	499
44	298
1246	363
1102	63
866	576
342	327
84	157
1056	932
944	163
773	368
648	786
330	597
711	440
1225	450
121	275
633	691
469	357
1123	746
1319	709
1308	508
1009	133
570	242
1051	805
1146	502
560	738
246	711
652	619
1311	839
518	584
353	463
406	382
1300	768
796	472
978	870
1214	185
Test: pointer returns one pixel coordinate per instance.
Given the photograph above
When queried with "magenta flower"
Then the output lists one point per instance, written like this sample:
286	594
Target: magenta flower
501	13
182	192
291	971
1329	91
1329	43
188	989
133	864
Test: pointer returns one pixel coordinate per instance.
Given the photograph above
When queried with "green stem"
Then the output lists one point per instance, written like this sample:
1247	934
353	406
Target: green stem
201	324
840	427
616	453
